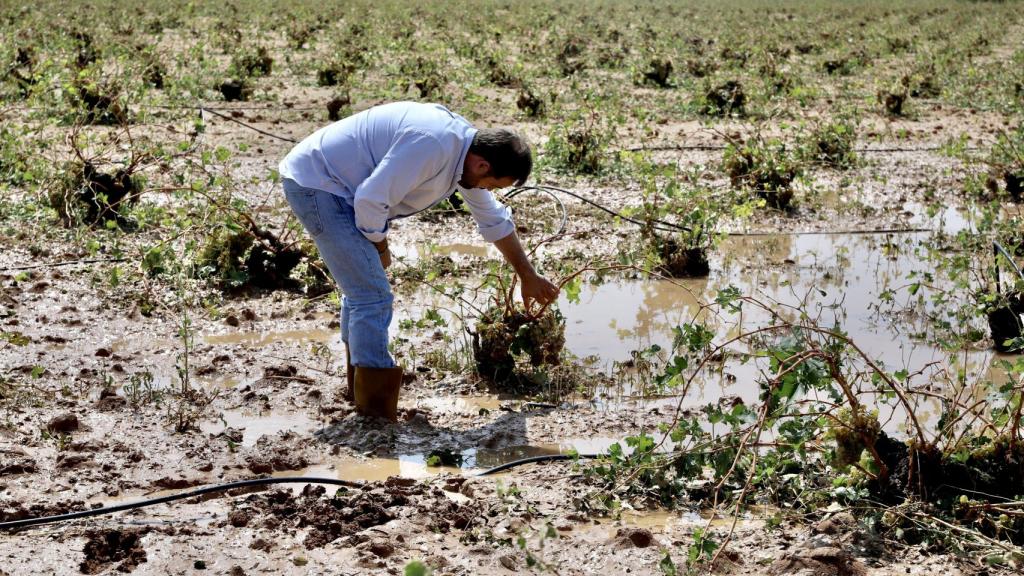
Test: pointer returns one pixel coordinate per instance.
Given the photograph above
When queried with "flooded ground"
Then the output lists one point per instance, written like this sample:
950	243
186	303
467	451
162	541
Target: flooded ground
108	394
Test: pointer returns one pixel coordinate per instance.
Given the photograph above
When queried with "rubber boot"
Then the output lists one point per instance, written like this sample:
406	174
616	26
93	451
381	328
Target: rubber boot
376	391
350	377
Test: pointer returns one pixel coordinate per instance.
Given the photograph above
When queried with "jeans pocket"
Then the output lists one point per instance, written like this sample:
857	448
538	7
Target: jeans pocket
304	205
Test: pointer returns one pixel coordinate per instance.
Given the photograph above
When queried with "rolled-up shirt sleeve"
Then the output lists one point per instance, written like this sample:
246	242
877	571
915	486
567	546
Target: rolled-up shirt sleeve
412	159
493	219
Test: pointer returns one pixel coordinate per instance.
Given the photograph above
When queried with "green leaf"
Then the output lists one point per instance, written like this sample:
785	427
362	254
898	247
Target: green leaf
667	566
416	568
572	290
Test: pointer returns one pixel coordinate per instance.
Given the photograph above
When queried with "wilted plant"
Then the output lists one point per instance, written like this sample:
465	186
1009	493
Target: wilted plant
252	63
530	103
831	143
658	72
678	221
727	99
893	99
1005	164
578	144
766	167
83	193
425	75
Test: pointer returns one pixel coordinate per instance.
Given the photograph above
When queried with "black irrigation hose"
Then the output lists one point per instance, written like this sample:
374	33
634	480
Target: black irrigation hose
998	251
663	226
249	126
561	205
26	522
660	225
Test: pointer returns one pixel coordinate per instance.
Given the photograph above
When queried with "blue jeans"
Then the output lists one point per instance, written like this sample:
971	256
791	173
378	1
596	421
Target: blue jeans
355	265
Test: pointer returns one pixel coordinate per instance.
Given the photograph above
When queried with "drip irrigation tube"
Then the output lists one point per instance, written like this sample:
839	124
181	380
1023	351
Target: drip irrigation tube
27	522
657	224
249	126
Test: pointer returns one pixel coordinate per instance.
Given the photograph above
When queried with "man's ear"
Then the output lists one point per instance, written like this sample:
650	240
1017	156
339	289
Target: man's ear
483	167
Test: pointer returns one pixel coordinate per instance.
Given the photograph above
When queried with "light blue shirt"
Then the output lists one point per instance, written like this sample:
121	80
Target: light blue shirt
392	161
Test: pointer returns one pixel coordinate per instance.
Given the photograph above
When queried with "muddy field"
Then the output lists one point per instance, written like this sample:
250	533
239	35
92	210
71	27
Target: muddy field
824	395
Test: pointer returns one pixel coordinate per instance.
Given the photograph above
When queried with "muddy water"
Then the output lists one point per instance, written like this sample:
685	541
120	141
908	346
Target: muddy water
254	424
837	279
414	465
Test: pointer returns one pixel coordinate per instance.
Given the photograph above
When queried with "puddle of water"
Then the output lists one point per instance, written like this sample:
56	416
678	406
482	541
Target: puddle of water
255	424
948	218
221	382
373	469
474	460
837	278
463	404
265	338
422	250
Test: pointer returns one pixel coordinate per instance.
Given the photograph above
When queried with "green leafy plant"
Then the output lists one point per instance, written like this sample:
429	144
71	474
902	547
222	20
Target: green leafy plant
578	145
831	144
765	166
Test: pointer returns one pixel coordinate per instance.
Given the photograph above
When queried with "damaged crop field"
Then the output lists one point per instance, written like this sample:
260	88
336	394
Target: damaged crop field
787	236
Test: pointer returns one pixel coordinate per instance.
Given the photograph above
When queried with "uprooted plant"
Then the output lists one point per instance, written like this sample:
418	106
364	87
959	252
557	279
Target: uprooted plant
508	337
87	192
831	426
240	253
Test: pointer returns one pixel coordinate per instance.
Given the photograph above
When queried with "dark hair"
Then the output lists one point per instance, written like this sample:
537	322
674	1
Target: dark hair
506	151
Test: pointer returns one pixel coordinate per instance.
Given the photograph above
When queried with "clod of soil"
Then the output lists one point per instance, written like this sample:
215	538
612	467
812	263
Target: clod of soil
106	547
169	483
276	453
63	424
15	461
236	90
837	524
634	537
824	561
328	518
109	400
71	461
13	510
381	548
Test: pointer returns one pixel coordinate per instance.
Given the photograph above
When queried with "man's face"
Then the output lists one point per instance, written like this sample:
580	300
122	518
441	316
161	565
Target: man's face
485	180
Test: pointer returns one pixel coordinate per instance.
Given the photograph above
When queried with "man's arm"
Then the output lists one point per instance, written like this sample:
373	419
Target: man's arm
533	286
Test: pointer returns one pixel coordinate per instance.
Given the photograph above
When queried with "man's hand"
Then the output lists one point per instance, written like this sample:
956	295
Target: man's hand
533	286
384	252
536	288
